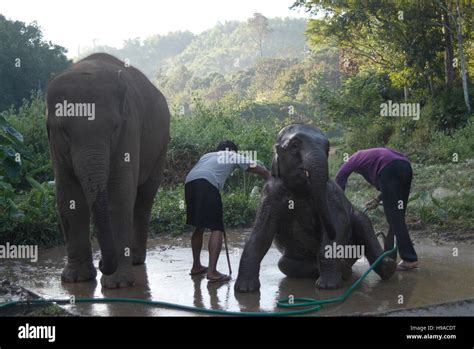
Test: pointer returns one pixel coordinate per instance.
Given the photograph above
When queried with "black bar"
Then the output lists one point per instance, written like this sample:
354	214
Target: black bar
316	331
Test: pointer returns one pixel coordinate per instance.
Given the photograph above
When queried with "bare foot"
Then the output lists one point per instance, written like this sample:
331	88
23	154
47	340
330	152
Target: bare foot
198	270
405	265
218	277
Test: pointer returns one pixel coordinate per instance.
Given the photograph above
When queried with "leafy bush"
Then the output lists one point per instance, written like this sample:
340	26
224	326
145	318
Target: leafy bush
169	211
449	112
31	217
29	120
239	208
460	142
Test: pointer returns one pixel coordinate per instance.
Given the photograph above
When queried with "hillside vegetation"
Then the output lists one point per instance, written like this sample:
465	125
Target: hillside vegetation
244	81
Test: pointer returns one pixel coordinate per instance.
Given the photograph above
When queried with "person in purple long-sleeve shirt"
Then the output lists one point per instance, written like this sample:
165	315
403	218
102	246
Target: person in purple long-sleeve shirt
390	173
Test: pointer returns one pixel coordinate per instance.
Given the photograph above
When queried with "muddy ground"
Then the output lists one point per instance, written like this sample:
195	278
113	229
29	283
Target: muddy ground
443	285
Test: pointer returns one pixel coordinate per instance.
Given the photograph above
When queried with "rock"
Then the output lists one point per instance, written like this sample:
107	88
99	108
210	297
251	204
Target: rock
442	193
255	191
415	225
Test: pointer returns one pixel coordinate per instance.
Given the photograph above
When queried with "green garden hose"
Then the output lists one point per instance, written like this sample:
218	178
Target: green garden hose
309	305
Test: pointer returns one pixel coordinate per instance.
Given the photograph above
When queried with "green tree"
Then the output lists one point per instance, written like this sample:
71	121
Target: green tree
27	61
259	29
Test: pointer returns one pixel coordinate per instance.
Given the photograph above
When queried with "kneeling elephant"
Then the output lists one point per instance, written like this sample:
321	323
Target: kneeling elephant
304	212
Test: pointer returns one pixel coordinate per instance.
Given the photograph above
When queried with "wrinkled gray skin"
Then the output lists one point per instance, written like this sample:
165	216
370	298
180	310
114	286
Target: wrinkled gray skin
91	168
321	214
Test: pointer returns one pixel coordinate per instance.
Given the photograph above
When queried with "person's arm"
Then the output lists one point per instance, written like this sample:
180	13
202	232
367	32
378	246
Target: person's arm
344	172
260	170
252	166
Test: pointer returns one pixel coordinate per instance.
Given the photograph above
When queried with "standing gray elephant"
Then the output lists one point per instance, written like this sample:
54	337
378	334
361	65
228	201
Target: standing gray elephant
307	214
108	130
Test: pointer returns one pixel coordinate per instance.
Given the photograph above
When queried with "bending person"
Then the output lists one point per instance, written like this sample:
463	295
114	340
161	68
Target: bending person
389	172
204	204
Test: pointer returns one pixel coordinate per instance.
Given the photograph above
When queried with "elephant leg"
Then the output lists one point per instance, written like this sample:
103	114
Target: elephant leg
74	217
330	273
121	200
364	235
141	218
273	214
389	242
297	268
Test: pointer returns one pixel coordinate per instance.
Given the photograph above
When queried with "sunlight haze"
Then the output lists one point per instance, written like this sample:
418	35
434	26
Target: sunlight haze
75	25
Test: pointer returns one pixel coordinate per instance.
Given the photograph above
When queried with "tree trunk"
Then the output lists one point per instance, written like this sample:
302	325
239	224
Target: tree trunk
430	84
448	53
461	56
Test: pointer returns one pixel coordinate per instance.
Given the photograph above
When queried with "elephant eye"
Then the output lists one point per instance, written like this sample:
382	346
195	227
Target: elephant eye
294	144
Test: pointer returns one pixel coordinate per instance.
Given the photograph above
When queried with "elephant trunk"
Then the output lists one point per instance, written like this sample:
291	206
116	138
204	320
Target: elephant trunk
315	163
91	167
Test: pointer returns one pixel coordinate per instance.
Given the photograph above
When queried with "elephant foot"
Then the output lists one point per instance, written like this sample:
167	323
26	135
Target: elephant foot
78	272
122	278
330	274
386	268
247	285
329	283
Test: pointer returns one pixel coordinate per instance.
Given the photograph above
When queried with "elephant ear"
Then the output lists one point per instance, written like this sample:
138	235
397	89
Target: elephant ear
275	166
123	94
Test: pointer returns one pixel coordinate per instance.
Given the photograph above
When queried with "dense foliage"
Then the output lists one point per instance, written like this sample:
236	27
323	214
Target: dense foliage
27	61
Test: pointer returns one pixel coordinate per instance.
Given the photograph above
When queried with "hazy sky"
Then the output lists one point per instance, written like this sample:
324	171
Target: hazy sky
76	23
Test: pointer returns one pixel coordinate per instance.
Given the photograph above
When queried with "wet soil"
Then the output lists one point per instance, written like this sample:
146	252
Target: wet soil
446	275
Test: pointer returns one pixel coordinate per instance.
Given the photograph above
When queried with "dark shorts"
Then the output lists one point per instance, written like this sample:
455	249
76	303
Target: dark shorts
203	205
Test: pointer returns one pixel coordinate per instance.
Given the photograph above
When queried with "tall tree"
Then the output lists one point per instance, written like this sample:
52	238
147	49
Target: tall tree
448	41
259	29
454	11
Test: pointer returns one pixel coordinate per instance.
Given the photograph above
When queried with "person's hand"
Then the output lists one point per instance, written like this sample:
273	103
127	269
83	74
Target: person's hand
261	171
267	175
370	205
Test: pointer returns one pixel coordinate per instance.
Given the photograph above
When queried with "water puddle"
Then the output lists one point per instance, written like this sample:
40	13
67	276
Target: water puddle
165	277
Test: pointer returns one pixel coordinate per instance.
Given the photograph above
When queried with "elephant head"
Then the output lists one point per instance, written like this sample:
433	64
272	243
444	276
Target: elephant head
301	161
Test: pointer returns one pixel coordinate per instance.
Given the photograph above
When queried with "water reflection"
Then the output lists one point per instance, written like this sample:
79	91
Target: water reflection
165	277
